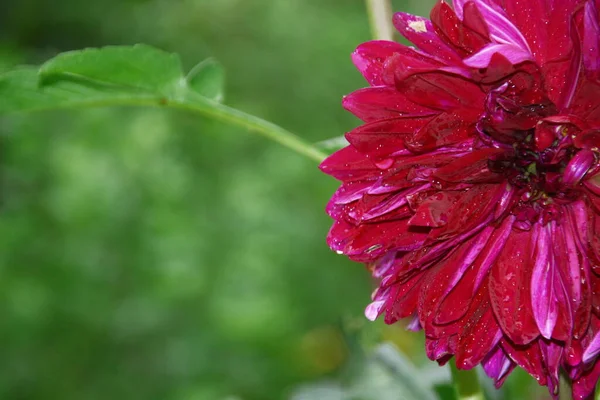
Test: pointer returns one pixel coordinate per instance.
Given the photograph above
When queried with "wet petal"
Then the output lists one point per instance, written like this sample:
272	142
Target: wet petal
420	31
510	288
377	103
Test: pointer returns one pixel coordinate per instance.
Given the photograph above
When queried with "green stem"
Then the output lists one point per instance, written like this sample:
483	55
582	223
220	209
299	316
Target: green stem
380	18
254	124
192	102
466	384
597	395
565	386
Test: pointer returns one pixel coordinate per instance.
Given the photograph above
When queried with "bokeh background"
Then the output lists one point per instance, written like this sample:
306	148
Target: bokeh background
151	254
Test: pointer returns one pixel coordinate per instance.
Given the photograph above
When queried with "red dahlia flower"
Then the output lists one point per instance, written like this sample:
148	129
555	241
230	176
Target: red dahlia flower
472	191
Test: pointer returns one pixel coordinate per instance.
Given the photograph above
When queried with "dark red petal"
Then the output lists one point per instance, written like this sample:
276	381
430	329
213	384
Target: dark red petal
403	299
468	210
593	237
510	288
595	288
446	129
377	59
421	33
563	59
527	357
479	333
370	58
440	349
372	104
452	30
591	41
588	140
577	284
380	139
473	19
389	206
368	241
443	91
470	168
535	29
457	302
444	276
433	211
584	386
349	164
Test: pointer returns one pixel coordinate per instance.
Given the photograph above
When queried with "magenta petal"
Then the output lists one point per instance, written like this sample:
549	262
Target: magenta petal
512	53
593	349
374	309
502	30
578	167
552	353
543	300
497	365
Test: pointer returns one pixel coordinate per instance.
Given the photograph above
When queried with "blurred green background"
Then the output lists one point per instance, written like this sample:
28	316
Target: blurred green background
151	254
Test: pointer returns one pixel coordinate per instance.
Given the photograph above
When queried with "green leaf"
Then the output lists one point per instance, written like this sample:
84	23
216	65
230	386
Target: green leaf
138	68
20	90
137	75
208	79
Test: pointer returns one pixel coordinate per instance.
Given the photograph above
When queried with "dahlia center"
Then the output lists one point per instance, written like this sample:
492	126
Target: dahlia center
537	161
540	160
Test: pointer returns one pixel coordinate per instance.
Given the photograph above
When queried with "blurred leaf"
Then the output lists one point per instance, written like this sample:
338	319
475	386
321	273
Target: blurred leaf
208	79
417	383
20	91
132	68
114	75
131	75
319	391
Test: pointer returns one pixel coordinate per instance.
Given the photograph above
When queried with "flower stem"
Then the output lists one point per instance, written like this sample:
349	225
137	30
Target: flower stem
565	386
380	18
249	122
200	105
466	384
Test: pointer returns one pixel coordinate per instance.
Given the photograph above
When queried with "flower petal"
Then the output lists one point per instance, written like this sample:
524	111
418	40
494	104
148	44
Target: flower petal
529	358
543	299
420	31
510	289
498	366
479	334
377	103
